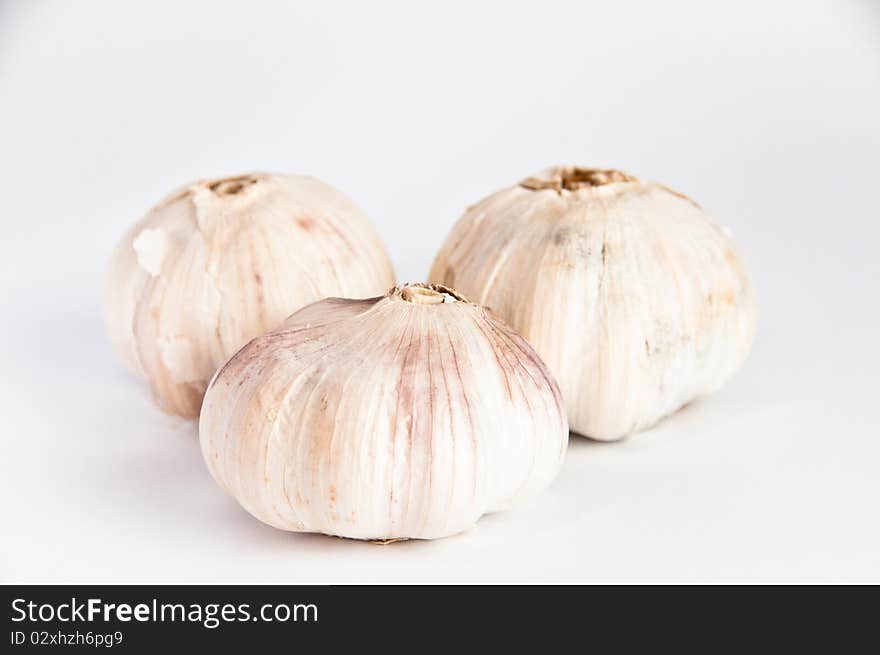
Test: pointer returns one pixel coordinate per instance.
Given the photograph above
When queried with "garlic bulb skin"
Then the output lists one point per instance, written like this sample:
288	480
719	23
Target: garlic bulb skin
404	416
637	302
219	262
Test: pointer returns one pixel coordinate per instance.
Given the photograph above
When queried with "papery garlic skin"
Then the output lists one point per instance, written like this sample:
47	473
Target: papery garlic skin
637	302
404	416
219	262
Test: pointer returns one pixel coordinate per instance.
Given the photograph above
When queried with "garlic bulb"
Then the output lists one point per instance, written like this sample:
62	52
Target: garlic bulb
404	416
634	298
219	262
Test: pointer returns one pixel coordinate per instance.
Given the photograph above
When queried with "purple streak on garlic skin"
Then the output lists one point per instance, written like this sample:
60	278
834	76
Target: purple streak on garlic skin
404	416
637	301
219	262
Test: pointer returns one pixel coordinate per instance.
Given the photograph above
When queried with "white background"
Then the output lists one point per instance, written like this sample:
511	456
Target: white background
766	113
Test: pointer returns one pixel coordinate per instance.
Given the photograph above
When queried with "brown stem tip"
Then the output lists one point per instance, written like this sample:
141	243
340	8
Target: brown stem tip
231	186
426	294
572	178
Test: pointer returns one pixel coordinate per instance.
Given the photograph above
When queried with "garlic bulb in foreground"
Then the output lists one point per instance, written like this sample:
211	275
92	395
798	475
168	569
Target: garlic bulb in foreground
403	416
219	262
634	298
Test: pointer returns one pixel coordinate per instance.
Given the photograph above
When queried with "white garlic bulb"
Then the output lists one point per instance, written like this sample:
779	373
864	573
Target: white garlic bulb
634	298
219	262
404	416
